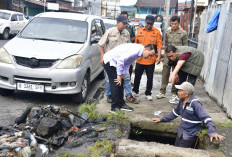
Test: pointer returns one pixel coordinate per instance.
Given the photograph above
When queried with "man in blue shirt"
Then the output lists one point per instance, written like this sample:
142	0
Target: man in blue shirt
193	115
117	63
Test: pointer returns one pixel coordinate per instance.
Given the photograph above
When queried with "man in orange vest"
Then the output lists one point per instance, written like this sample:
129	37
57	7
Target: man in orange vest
147	35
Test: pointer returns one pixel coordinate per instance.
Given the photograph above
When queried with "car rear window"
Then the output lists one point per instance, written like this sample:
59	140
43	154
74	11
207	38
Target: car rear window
5	16
56	29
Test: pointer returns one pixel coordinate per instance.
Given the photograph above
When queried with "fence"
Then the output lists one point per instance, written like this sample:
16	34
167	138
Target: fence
217	48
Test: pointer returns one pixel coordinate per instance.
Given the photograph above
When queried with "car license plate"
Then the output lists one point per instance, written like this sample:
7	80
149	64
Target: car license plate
30	87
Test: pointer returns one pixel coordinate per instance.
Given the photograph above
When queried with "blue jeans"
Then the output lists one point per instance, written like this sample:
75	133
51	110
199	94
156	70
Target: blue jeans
127	85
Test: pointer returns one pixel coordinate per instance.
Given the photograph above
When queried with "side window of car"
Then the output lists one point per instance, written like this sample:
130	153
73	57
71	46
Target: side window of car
14	17
99	28
20	17
93	29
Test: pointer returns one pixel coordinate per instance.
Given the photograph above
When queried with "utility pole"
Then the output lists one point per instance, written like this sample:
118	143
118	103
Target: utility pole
167	16
101	9
191	17
19	6
115	10
89	5
106	9
44	5
194	17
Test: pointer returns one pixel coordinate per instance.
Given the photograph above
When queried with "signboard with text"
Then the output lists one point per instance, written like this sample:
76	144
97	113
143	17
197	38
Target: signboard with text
52	6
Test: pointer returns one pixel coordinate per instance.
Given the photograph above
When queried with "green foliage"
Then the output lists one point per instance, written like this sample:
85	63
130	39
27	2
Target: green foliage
90	109
101	147
80	155
119	117
229	124
118	132
67	154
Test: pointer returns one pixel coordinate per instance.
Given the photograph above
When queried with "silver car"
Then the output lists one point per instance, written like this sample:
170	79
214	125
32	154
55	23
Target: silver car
55	53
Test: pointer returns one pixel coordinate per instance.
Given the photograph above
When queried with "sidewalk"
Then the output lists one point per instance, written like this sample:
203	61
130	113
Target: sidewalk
144	111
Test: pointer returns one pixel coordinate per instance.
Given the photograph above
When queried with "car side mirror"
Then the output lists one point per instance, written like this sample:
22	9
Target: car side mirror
95	39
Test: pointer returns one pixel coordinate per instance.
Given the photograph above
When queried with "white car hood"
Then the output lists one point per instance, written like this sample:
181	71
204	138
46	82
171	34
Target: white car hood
41	49
3	21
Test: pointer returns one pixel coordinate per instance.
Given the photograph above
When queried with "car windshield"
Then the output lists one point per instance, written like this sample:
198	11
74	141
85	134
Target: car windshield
56	29
5	16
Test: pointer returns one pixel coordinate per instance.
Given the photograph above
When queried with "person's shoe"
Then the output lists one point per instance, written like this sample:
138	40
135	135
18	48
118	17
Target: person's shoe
160	96
109	99
126	108
135	94
131	99
174	100
149	97
114	109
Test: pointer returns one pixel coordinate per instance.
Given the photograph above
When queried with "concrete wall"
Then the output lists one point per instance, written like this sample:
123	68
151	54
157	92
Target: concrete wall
217	48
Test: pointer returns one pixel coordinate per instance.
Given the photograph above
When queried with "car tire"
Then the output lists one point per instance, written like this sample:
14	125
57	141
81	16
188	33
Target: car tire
6	34
6	92
81	97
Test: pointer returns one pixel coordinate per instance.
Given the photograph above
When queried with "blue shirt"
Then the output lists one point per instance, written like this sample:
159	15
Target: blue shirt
123	56
193	115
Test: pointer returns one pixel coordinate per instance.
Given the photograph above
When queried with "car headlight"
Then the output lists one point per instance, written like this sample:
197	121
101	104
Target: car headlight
4	56
72	62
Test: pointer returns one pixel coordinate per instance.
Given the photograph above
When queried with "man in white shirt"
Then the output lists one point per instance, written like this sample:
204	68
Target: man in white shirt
117	63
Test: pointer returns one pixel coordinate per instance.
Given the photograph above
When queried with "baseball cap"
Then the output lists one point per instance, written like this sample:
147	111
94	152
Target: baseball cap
150	19
187	87
122	18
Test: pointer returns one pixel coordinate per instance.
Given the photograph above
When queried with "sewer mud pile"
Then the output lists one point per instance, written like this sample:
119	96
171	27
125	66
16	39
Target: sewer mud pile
41	131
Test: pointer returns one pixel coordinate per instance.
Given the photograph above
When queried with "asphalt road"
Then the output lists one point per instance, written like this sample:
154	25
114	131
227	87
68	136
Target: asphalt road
14	105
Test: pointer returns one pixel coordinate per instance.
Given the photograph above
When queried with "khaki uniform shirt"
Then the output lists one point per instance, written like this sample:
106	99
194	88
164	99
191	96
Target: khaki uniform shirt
179	38
113	38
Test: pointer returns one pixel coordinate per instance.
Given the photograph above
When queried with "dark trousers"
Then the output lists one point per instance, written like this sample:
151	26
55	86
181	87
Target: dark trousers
116	90
131	70
149	69
180	142
183	76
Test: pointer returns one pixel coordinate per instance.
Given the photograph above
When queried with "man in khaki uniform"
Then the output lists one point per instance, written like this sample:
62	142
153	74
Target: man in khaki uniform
113	37
176	37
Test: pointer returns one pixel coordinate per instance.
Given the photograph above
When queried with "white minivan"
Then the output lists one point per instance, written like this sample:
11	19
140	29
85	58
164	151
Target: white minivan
55	53
11	22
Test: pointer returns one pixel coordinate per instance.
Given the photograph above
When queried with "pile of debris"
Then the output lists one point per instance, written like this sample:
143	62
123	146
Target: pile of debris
40	131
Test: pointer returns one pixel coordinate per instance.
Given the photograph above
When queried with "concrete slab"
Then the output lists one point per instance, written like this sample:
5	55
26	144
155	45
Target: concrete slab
131	148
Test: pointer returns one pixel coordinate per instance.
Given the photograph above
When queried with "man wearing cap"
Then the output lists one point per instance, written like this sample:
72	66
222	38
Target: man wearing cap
192	116
113	37
147	35
176	37
187	62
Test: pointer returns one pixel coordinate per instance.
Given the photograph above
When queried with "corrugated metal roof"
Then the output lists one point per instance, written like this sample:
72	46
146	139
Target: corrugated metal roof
155	3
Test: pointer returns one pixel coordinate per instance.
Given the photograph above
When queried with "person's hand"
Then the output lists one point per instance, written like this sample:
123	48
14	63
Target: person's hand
217	137
177	78
118	80
102	63
158	60
172	78
157	120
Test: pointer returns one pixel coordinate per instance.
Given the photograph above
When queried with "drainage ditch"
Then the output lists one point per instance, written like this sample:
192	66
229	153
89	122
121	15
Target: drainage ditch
144	135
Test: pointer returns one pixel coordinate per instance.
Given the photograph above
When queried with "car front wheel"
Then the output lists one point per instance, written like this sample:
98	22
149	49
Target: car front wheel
6	34
80	97
6	92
